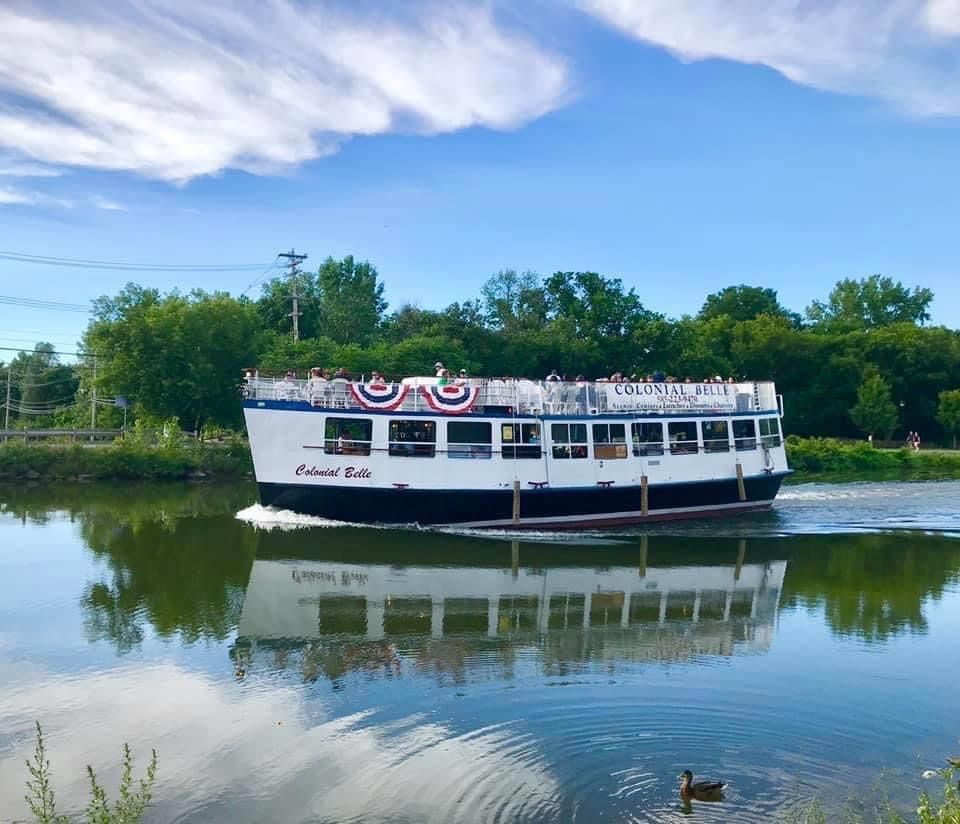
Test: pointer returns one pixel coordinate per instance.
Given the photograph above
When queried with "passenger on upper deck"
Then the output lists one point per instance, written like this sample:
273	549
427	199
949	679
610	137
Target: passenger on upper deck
316	387
553	377
439	367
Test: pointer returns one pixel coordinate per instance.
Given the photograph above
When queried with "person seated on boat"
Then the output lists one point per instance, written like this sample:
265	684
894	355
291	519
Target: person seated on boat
341	376
444	377
439	367
553	377
376	377
317	386
462	379
286	389
658	376
731	379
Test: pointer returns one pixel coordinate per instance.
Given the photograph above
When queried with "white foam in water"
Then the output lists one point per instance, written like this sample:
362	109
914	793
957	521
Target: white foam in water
267	517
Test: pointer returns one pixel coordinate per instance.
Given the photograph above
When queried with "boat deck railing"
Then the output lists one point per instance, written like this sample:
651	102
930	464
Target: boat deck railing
527	397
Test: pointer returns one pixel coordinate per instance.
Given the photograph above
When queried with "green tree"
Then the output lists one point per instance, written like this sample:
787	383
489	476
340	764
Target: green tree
875	411
745	303
948	413
514	302
351	303
871	303
274	305
175	356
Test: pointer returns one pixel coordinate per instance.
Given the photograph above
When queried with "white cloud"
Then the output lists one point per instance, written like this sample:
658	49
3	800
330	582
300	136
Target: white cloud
892	49
264	755
943	17
11	196
173	89
102	202
13	167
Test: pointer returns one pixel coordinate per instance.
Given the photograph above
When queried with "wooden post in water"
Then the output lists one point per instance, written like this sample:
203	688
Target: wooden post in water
515	559
741	489
516	502
644	496
644	541
741	554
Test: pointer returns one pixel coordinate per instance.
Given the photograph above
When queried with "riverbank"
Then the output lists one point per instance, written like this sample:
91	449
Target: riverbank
829	459
123	461
812	459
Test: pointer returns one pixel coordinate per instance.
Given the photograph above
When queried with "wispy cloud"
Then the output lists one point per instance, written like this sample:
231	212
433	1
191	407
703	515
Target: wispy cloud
13	196
173	89
109	205
14	167
899	50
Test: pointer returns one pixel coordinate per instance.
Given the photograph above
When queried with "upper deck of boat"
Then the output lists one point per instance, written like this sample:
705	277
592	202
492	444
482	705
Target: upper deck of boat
496	396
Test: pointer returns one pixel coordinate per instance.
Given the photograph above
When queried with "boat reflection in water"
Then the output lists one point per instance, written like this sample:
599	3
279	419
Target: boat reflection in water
569	604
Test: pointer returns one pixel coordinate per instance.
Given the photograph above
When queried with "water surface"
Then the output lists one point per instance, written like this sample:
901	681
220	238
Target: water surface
322	672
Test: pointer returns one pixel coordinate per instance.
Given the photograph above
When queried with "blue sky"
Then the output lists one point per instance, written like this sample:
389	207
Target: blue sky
682	145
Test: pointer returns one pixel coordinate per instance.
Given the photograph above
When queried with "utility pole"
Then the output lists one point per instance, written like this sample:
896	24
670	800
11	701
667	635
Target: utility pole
293	263
93	396
6	414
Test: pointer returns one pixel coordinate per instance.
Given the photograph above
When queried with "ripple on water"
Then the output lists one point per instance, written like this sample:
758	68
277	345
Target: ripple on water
618	758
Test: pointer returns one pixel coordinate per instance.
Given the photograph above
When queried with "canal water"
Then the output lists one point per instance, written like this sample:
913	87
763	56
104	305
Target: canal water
289	669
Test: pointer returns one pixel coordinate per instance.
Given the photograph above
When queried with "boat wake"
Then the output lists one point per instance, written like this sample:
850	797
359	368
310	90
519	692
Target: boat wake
267	517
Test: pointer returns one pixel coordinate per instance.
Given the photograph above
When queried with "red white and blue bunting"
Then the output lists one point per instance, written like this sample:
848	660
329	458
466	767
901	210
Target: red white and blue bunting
451	399
379	395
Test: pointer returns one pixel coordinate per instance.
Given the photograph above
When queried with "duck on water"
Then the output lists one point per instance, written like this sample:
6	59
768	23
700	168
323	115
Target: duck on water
691	790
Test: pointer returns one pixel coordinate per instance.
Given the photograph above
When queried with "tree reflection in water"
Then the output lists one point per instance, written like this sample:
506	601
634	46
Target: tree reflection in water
177	563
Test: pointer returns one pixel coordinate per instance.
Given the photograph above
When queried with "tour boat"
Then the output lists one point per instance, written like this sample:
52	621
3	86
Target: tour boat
514	453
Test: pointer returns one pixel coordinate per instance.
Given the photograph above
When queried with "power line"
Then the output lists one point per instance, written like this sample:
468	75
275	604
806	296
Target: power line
21	257
36	303
46	352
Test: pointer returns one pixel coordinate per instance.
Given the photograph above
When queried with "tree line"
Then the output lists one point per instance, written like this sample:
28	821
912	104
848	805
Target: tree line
864	360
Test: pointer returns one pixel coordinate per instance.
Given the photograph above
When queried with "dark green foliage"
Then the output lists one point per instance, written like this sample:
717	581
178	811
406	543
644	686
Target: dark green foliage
948	413
182	356
875	412
829	457
745	303
122	461
871	303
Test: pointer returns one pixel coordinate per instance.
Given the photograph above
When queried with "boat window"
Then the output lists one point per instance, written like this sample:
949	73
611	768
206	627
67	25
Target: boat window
683	437
609	441
569	440
520	440
769	432
469	439
412	439
744	434
347	436
647	438
716	436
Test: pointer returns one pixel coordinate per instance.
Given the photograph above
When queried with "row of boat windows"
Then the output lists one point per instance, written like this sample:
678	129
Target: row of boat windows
568	441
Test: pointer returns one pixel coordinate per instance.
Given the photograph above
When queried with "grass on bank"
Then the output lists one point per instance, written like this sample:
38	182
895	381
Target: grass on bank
833	459
937	807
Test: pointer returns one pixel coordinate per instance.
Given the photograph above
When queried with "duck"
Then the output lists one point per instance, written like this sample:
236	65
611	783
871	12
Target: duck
700	790
954	761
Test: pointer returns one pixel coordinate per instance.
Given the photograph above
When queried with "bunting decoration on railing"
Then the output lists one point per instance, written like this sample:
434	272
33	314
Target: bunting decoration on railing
451	399
379	395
